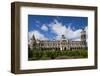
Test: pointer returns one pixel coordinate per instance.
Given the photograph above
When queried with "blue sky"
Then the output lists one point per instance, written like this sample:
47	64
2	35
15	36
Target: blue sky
52	27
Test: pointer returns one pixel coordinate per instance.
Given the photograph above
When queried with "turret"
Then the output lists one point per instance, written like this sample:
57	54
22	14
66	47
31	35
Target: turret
83	38
33	42
63	37
33	39
83	35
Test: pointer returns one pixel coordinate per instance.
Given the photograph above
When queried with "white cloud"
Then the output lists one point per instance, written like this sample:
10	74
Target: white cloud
86	29
73	34
44	27
37	35
77	39
60	29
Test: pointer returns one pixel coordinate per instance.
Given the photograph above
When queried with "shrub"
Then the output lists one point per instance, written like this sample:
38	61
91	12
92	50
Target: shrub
37	54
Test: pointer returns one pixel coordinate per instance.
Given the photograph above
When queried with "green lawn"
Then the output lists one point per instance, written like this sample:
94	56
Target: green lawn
51	54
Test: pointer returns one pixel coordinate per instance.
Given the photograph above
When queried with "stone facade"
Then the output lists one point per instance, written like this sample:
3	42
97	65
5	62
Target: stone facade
62	44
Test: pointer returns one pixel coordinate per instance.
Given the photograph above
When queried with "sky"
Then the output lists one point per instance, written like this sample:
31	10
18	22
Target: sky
45	27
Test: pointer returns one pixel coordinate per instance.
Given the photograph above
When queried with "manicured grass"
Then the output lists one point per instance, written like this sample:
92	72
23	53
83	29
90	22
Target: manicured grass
57	54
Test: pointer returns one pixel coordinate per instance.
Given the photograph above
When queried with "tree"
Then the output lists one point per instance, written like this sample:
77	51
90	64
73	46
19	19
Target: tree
30	54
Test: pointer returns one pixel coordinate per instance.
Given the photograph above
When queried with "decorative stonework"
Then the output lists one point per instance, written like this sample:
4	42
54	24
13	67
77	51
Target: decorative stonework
62	44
